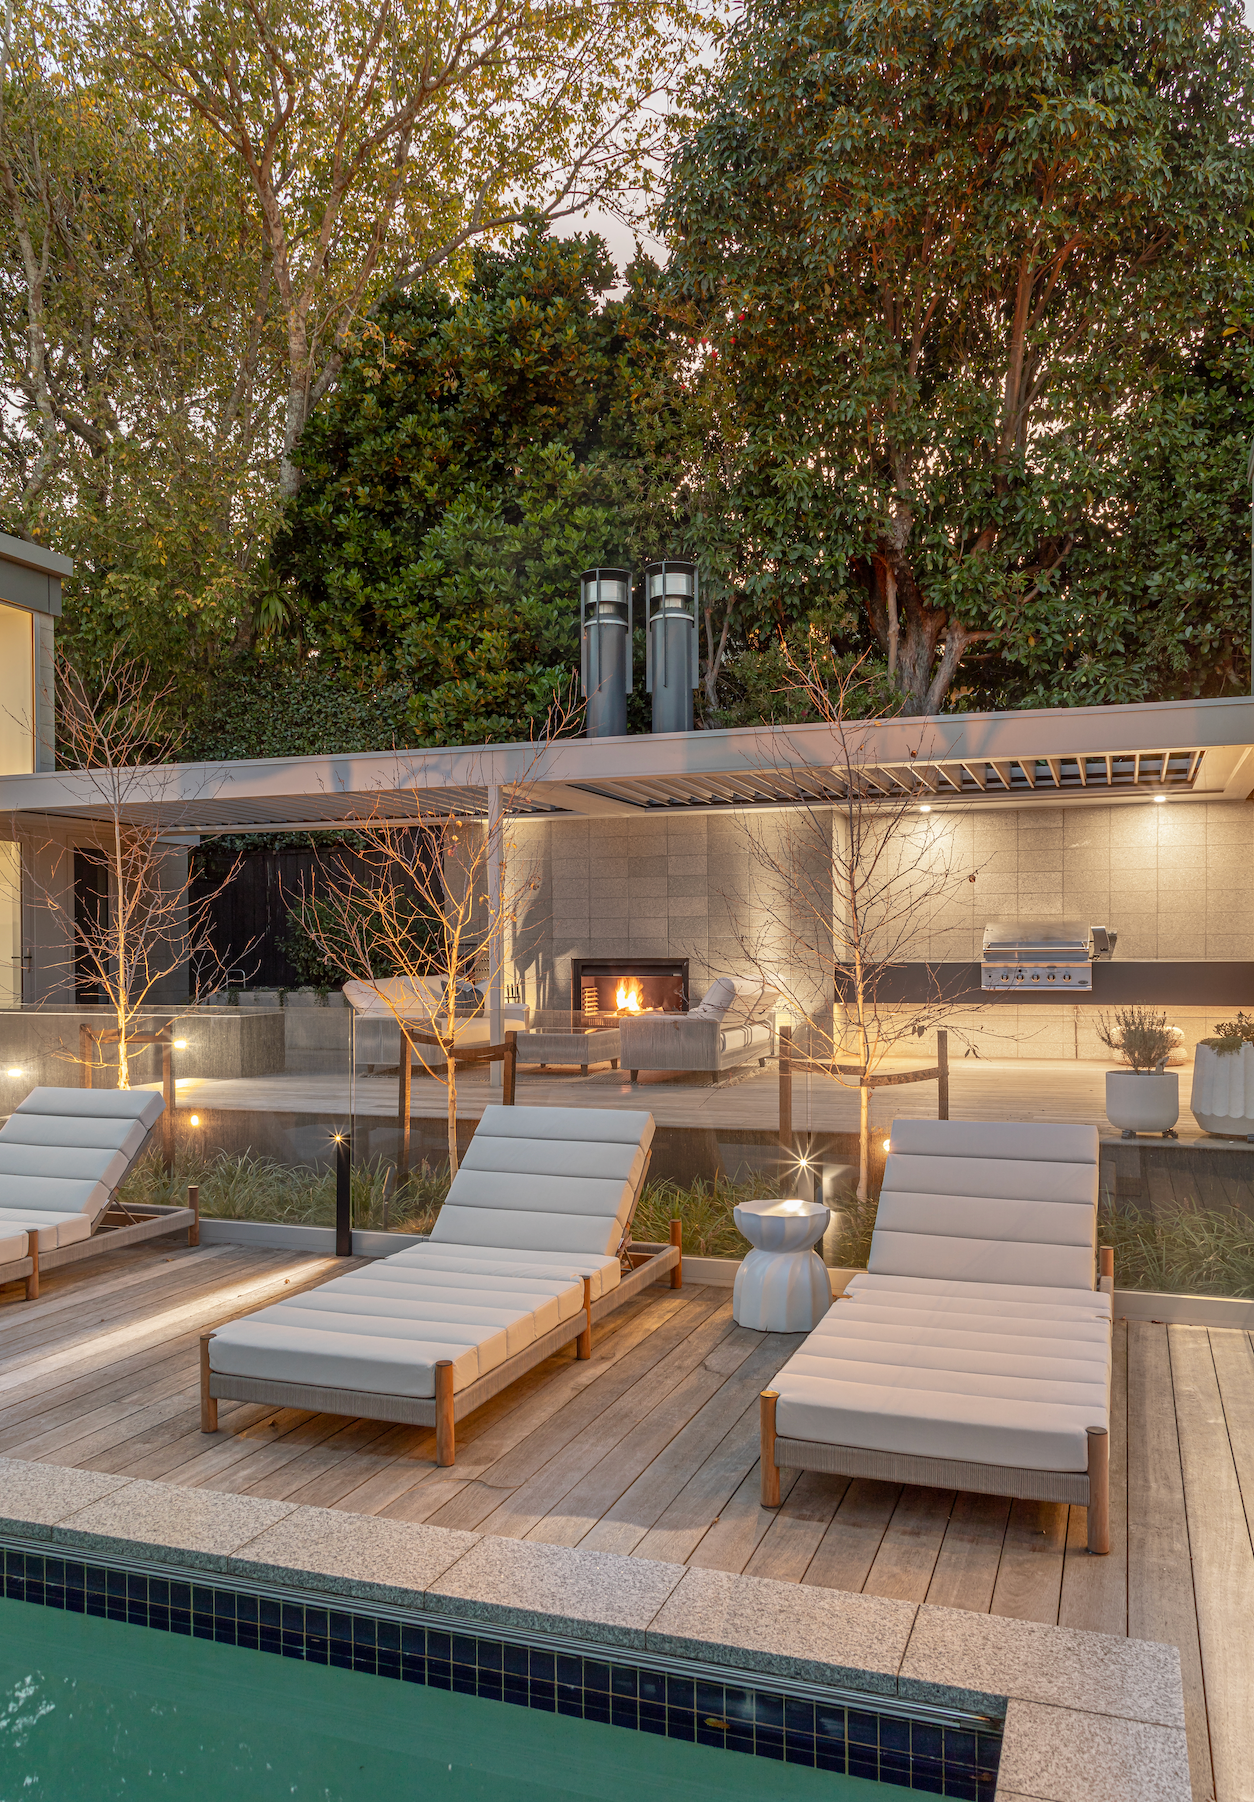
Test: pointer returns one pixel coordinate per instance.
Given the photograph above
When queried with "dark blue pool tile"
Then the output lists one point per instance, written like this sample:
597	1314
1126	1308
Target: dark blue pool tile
894	1734
960	1747
440	1645
624	1680
159	1618
829	1755
339	1627
799	1748
491	1655
413	1641
863	1729
768	1710
137	1615
115	1582
97	1582
653	1719
569	1672
490	1686
465	1651
927	1774
517	1663
465	1682
292	1648
926	1741
864	1762
202	1626
439	1673
159	1592
180	1621
543	1697
966	1789
270	1613
710	1699
249	1637
681	1723
895	1767
570	1701
738	1704
413	1670
768	1742
739	1737
799	1716
624	1711
543	1666
596	1676
515	1689
596	1707
681	1693
710	1731
651	1686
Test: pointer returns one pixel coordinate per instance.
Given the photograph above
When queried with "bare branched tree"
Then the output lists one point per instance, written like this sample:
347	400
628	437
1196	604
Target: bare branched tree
154	924
849	884
421	902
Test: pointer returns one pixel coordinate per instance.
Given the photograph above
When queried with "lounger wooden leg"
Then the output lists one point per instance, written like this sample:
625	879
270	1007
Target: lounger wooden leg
583	1345
677	1240
770	1470
32	1281
445	1443
1099	1491
208	1403
193	1202
1106	1269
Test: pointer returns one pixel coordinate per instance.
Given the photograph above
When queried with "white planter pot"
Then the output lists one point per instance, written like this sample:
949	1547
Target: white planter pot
1143	1101
1223	1092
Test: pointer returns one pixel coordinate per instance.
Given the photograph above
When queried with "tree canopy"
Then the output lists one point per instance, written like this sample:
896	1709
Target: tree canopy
976	272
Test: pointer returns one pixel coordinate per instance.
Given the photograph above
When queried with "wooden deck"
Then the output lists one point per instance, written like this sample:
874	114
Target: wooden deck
650	1450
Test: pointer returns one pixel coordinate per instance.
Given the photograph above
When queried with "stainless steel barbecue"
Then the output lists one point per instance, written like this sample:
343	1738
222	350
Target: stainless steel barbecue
1050	955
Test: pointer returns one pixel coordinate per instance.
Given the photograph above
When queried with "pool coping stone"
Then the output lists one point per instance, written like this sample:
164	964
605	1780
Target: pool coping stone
1083	1711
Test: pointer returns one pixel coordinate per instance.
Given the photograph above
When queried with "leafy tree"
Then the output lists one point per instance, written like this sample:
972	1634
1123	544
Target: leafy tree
959	262
470	464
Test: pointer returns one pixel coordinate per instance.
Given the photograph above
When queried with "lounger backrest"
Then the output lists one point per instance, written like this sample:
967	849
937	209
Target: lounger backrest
547	1179
64	1151
989	1201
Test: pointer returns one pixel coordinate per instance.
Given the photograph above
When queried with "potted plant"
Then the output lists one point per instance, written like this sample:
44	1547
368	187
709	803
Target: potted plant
1145	1098
1223	1080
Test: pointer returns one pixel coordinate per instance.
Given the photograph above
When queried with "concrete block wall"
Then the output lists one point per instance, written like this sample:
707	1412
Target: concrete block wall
1174	881
699	886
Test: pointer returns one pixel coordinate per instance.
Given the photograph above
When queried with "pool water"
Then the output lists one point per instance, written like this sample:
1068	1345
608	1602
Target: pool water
93	1710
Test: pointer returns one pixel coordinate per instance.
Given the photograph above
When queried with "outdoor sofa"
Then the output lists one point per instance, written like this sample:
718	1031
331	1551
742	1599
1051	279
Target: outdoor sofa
63	1153
380	1007
531	1247
698	1041
974	1353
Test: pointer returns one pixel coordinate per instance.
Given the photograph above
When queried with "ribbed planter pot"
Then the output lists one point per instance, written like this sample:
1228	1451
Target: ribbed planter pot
1223	1092
1143	1101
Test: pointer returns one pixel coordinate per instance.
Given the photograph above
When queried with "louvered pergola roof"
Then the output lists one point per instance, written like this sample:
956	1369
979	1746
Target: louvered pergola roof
1187	750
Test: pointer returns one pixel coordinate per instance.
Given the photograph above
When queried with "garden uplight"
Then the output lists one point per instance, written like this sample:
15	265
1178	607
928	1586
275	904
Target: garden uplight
14	1072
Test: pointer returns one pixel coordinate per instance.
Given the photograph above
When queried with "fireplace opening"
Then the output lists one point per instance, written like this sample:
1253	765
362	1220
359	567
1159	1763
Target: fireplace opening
604	990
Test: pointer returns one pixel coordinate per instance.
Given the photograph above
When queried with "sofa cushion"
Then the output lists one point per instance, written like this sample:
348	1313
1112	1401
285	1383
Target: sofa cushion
51	1229
981	1260
53	1194
122	1135
716	1000
144	1105
1003	1139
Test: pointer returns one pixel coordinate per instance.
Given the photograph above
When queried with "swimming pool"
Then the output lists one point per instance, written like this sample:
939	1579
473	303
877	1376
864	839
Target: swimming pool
94	1708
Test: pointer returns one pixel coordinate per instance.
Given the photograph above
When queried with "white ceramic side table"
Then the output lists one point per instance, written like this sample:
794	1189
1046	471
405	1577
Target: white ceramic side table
783	1285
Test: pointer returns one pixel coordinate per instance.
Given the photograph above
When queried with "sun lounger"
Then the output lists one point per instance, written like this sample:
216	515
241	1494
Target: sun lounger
63	1153
531	1247
974	1352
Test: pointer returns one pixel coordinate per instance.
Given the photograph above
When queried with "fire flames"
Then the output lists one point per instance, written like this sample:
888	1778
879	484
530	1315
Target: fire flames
629	996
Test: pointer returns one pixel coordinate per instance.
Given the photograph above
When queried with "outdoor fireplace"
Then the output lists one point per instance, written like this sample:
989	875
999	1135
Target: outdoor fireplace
605	989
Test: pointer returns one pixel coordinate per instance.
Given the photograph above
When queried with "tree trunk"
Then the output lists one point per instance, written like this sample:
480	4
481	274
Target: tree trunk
451	1079
864	1141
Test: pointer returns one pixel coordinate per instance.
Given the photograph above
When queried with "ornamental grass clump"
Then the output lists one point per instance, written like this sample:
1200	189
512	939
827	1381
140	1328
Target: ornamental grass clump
1184	1250
253	1188
1139	1035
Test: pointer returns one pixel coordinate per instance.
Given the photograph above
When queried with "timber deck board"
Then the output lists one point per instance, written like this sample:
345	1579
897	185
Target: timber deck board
650	1449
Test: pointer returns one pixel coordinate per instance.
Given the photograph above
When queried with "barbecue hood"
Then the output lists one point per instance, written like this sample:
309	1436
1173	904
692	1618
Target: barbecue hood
1043	954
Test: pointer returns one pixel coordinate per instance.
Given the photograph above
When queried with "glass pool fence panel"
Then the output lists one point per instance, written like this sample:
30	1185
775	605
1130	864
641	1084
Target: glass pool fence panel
400	1157
1179	1215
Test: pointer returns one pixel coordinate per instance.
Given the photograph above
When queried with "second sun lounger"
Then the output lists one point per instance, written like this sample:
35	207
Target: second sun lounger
531	1247
974	1352
63	1153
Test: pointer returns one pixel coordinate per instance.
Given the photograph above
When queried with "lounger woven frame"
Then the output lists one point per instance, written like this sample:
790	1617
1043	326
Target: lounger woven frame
1089	1488
423	1411
112	1233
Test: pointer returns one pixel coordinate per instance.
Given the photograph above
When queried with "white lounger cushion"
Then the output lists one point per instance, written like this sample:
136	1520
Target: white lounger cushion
504	1228
143	1105
296	1347
603	1272
53	1194
48	1228
991	1260
1017	1140
972	1420
125	1136
12	1244
996	1178
909	1291
1090	1344
93	1163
